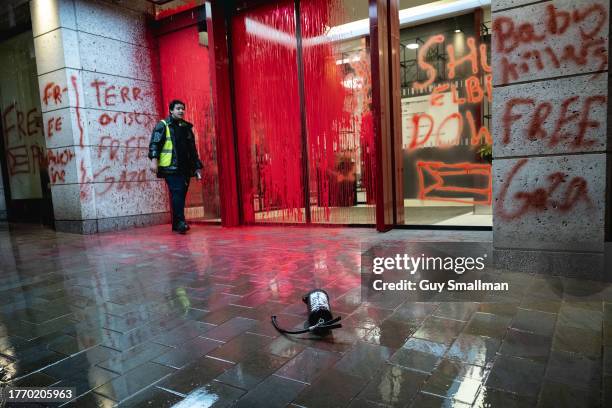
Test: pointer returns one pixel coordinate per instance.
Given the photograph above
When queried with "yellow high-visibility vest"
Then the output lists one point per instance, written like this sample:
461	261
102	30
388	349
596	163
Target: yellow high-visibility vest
165	157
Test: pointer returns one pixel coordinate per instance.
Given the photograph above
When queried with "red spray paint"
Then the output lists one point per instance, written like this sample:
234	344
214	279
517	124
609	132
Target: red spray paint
560	194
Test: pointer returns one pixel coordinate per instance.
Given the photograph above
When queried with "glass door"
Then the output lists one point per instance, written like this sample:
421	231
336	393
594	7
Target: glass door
338	96
302	92
268	121
185	76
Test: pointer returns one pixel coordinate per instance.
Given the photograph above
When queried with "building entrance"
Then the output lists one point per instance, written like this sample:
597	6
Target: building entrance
302	88
183	46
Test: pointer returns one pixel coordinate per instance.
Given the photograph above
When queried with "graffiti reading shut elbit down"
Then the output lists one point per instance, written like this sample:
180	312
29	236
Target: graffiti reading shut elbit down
478	87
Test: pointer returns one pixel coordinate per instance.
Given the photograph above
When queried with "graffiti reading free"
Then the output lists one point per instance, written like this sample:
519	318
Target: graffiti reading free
573	111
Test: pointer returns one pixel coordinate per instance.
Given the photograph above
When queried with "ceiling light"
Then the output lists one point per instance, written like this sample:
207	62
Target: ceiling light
412	46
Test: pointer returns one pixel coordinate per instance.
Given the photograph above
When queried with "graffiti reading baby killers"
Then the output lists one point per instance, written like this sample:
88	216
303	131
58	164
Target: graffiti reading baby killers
560	40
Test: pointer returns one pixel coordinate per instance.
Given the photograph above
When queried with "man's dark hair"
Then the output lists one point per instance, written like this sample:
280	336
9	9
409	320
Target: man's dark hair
175	102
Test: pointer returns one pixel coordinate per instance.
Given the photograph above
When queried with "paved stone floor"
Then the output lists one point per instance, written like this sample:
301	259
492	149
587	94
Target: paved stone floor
148	318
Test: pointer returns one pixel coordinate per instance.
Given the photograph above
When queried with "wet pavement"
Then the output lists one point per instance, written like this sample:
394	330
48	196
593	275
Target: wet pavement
148	318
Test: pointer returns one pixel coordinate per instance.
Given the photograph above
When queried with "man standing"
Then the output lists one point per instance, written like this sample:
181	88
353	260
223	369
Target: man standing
174	157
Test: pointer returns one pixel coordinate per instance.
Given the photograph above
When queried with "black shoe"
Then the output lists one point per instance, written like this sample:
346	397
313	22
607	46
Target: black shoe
181	228
175	227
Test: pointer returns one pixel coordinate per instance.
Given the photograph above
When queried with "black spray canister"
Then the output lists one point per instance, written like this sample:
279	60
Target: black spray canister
319	311
320	320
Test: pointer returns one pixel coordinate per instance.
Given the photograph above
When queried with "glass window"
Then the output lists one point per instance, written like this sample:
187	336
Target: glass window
446	87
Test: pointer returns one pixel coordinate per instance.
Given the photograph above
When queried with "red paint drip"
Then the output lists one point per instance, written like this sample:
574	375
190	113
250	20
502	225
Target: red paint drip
73	79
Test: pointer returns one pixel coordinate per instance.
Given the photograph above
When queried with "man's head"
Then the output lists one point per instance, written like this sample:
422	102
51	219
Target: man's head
177	109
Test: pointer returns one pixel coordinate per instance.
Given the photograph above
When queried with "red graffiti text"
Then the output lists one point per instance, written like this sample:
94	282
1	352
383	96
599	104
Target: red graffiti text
578	34
559	195
572	111
126	180
131	149
54	125
56	162
53	92
109	95
128	119
22	124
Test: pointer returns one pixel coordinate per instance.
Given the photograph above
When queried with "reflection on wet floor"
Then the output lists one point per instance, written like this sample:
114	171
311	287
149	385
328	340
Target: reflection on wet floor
147	318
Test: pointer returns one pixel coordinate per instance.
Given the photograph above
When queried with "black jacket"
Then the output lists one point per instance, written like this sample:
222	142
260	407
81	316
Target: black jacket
158	138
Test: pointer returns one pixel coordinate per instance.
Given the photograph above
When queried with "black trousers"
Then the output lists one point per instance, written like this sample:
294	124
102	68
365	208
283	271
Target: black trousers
177	187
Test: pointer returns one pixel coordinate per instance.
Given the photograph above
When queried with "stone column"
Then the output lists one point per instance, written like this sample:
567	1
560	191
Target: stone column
551	142
99	89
